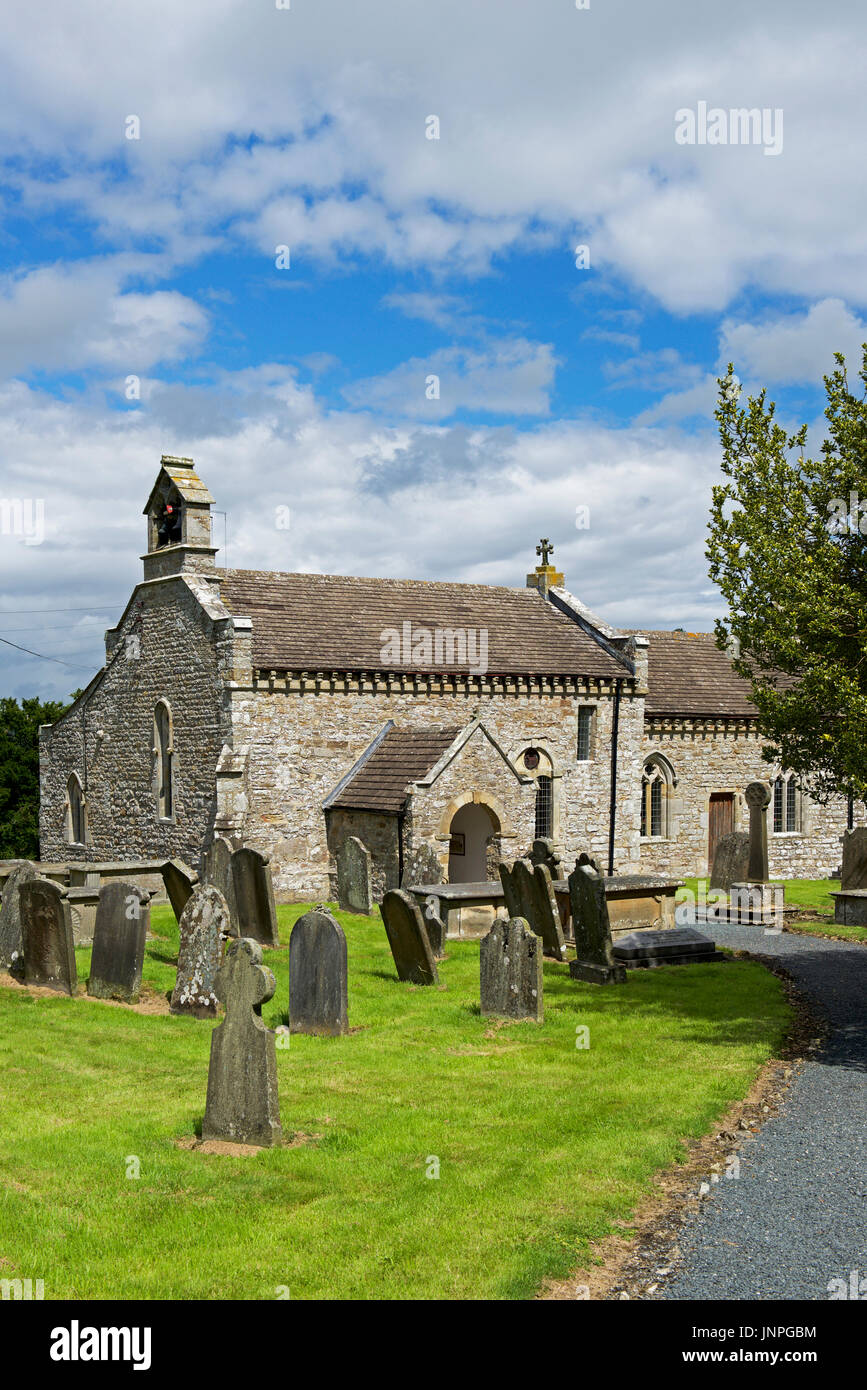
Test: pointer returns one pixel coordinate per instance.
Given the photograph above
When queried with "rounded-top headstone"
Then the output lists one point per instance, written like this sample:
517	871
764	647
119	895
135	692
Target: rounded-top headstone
318	975
204	924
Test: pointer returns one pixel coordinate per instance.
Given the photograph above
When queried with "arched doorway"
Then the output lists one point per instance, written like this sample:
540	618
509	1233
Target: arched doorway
471	832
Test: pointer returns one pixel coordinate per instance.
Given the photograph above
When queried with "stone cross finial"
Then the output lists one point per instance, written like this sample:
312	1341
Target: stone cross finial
544	548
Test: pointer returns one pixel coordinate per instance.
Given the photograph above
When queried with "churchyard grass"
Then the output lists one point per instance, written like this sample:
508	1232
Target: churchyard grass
540	1145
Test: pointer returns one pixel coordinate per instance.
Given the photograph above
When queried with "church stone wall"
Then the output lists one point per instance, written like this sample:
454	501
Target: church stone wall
301	742
379	833
166	647
715	757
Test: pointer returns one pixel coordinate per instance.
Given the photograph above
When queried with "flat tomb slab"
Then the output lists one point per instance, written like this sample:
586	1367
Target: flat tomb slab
674	946
850	907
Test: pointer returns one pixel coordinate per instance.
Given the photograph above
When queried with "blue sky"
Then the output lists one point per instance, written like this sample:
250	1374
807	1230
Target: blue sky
305	387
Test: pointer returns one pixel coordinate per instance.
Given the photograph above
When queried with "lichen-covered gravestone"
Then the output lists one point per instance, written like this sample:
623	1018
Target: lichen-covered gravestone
594	961
11	954
122	923
179	881
511	970
252	905
318	976
354	893
46	931
204	923
408	938
731	860
243	1106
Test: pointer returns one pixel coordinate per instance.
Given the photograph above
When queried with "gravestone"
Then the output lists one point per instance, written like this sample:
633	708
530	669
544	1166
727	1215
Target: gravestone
11	952
529	893
854	870
179	880
46	933
408	938
758	796
435	926
252	905
543	852
318	975
731	860
243	1106
204	923
674	946
122	923
217	870
594	961
511	970
354	893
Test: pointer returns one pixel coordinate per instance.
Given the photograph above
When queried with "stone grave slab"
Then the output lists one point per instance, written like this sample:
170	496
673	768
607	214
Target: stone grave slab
408	938
46	931
122	924
675	946
318	975
179	880
595	962
11	949
252	905
204	924
731	860
854	870
354	892
511	970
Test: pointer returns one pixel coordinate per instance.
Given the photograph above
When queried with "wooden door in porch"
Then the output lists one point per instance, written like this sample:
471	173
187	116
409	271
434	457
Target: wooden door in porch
721	821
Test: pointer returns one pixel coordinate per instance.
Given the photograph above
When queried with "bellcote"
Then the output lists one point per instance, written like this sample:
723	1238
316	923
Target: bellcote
179	522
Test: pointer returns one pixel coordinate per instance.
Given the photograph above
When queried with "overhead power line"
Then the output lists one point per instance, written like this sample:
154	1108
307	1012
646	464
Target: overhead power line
72	664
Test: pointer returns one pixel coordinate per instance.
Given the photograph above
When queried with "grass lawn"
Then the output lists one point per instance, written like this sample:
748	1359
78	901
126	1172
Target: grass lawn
813	895
541	1145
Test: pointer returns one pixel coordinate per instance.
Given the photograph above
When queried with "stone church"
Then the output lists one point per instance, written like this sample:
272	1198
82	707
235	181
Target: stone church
446	725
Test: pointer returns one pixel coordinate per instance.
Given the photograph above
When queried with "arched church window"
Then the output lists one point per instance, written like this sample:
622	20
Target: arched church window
656	784
787	804
74	811
164	753
544	807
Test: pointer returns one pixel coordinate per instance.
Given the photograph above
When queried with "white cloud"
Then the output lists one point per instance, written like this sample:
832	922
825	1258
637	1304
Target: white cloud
75	316
794	347
509	377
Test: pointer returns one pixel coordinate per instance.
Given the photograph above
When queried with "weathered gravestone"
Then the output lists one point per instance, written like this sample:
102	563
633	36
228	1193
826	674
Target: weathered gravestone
204	923
674	946
179	880
253	908
243	1106
731	860
594	961
217	870
408	938
354	893
318	975
435	926
511	970
122	922
46	932
543	852
529	893
758	795
854	871
11	953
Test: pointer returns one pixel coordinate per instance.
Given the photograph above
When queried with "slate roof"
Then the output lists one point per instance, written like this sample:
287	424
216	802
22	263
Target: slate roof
182	473
688	674
403	756
327	622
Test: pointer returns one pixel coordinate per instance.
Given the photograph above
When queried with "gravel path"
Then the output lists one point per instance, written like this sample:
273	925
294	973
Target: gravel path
796	1217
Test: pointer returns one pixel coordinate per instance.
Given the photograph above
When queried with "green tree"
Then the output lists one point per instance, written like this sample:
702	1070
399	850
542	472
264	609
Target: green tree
19	773
787	538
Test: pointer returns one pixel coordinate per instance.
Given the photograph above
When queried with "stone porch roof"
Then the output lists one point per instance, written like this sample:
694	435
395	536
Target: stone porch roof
329	622
381	780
